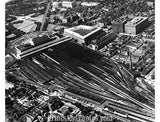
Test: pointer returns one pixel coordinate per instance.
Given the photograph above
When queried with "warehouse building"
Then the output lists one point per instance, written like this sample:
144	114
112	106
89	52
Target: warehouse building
136	25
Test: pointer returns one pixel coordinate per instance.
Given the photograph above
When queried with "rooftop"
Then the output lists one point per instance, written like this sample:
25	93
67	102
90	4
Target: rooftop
31	42
89	4
121	20
82	31
136	21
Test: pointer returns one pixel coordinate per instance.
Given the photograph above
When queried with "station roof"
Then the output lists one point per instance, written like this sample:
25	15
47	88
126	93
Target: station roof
40	40
32	42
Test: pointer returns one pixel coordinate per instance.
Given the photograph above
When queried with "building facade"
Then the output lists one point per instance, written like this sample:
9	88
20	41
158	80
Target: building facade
136	25
119	25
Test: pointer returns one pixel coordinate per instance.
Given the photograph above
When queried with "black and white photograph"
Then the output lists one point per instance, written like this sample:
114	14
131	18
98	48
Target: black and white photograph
79	61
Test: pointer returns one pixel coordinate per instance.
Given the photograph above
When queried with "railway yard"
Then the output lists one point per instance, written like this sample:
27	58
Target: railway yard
80	71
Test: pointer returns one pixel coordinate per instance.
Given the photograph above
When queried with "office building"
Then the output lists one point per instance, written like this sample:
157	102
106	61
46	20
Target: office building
136	25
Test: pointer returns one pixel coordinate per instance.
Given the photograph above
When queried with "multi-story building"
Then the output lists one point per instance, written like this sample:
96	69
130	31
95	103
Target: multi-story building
136	25
119	25
68	4
150	3
89	4
55	5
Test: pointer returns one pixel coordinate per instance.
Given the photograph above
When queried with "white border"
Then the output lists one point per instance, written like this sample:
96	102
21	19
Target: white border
157	58
2	61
